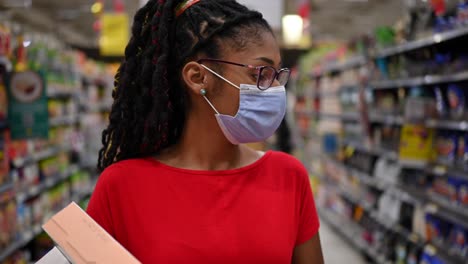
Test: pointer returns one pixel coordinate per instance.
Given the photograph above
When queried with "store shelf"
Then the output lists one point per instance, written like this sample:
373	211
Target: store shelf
340	66
29	235
425	42
444	170
442	251
6	187
60	94
448	210
100	107
41	155
377	151
46	185
63	121
305	113
399	120
24	239
437	205
362	176
352	232
448	124
349	116
419	81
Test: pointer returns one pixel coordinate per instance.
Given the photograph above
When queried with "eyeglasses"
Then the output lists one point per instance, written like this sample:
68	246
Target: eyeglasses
266	75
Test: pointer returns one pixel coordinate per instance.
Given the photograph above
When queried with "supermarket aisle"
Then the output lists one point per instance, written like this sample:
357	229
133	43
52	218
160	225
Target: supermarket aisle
335	249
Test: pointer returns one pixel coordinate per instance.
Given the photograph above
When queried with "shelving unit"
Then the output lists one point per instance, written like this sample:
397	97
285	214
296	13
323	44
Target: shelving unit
41	155
29	235
63	121
340	66
431	202
421	43
30	192
352	233
419	81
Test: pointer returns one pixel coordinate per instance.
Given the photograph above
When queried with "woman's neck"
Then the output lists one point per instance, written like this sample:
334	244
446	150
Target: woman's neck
203	146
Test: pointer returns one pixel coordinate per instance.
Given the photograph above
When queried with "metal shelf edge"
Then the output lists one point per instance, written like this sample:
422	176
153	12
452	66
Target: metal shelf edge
424	42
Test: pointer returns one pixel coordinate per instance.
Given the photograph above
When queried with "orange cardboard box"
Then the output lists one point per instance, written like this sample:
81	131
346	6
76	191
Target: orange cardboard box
82	240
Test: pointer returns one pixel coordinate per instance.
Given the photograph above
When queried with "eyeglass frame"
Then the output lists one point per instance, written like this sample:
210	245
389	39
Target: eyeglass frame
258	68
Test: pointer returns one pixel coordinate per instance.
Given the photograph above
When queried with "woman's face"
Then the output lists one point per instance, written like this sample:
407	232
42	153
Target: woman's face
262	52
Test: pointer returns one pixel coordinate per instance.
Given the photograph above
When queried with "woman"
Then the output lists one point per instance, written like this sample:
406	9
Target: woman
199	79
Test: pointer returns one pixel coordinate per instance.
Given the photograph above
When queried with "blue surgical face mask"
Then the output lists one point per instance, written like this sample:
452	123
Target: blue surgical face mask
260	113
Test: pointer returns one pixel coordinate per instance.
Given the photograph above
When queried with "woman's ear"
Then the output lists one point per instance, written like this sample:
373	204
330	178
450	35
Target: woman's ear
194	76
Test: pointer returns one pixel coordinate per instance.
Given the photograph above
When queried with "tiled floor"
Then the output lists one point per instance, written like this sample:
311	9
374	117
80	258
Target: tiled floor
335	249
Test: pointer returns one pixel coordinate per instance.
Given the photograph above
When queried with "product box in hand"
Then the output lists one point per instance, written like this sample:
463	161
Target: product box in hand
81	240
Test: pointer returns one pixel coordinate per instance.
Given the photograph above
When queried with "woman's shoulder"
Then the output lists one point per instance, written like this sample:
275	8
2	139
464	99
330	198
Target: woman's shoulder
284	159
286	168
125	169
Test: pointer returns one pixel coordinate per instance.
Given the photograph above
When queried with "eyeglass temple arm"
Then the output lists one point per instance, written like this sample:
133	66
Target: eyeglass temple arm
228	62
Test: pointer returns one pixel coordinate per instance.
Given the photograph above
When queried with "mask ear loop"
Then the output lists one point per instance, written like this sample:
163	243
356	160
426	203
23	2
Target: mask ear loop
219	76
203	93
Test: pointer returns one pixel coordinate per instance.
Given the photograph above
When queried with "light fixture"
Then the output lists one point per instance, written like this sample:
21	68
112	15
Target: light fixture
26	43
97	7
293	28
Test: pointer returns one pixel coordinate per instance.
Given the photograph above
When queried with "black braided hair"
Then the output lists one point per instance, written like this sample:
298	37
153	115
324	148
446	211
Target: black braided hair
150	101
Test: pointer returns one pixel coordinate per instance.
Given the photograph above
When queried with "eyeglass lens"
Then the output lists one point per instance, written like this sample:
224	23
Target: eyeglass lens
267	76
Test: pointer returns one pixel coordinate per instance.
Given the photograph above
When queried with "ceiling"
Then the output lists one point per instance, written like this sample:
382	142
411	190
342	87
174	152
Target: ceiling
72	20
345	19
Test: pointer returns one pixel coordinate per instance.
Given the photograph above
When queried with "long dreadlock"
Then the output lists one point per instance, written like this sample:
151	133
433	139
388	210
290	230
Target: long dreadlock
150	101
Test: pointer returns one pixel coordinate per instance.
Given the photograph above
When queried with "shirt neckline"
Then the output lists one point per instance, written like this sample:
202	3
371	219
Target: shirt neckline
213	172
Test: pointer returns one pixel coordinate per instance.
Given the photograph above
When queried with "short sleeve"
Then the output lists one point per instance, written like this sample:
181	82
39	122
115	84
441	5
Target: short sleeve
99	207
308	218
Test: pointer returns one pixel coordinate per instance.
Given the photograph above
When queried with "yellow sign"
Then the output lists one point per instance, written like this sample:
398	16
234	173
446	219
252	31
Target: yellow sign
416	143
114	34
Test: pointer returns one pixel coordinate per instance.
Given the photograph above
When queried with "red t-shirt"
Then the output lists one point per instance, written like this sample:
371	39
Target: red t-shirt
161	214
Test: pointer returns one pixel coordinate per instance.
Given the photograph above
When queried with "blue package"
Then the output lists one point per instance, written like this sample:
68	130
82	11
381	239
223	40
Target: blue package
465	157
446	146
426	258
461	147
383	67
463	192
456	99
452	184
330	143
458	240
441	106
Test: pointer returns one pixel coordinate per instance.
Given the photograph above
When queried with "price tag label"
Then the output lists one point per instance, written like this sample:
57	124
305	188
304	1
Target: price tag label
440	170
430	249
432	208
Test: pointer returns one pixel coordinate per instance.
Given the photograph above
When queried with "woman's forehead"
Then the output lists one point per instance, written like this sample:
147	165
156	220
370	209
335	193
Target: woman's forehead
265	51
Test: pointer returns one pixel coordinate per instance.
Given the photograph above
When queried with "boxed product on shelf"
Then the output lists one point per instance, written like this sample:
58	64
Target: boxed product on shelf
458	239
4	158
7	221
18	257
26	177
457	102
416	144
463	192
446	187
80	182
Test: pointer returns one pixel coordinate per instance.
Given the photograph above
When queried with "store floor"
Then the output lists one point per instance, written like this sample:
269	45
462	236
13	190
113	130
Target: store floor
335	249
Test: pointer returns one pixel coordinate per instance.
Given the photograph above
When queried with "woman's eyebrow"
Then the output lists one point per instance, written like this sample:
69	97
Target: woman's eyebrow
269	61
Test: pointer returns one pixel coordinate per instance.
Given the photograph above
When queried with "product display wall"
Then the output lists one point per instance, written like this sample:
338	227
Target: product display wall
39	175
383	128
